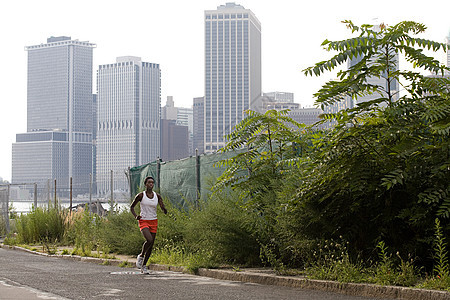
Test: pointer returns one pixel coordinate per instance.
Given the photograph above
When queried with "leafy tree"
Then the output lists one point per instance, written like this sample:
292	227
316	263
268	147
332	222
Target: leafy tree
382	173
261	142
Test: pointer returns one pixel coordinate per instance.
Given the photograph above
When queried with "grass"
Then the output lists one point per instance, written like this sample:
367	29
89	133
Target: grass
332	262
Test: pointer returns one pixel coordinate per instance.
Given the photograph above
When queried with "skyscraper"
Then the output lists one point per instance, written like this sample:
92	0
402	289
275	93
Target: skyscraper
58	142
198	113
129	105
232	70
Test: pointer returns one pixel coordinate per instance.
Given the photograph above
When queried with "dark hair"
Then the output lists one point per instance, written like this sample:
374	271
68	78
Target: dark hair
147	178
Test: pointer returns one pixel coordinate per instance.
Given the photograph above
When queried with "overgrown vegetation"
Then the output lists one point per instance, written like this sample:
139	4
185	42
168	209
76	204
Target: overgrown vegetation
366	200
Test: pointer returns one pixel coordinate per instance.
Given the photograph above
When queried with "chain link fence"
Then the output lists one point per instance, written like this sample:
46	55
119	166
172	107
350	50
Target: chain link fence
17	199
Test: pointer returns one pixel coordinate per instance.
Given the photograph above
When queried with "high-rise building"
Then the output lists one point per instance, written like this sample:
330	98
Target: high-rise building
182	117
232	70
58	142
129	105
169	111
174	140
198	124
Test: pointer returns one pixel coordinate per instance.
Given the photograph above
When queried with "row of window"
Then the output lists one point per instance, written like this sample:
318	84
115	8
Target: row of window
226	16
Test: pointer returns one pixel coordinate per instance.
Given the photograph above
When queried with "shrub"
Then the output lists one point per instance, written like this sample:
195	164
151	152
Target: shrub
222	227
120	232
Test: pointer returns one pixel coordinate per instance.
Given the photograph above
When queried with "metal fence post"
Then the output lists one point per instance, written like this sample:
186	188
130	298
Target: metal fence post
55	195
70	196
35	195
197	175
90	191
112	191
48	194
158	174
129	182
7	209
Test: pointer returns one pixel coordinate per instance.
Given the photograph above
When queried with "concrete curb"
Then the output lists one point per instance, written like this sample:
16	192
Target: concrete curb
352	289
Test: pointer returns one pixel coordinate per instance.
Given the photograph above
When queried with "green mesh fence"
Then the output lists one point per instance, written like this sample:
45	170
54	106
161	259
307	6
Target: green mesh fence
179	180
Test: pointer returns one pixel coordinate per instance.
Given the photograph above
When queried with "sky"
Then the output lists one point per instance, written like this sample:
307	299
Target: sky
171	33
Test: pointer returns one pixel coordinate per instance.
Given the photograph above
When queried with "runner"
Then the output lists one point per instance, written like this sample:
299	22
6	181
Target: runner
148	220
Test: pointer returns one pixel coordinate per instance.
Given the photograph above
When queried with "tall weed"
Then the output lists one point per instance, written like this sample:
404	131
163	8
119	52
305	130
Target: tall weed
83	231
441	278
41	225
332	262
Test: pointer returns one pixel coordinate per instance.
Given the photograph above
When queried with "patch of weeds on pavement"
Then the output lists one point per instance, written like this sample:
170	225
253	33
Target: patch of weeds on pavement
125	264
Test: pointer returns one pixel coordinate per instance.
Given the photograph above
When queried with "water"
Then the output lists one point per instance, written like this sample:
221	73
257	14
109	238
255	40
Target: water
24	207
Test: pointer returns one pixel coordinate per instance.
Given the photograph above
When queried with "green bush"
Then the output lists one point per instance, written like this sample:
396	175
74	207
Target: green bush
120	232
222	227
171	227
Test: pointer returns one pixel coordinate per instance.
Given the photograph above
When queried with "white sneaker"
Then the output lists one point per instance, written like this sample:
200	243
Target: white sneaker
139	261
144	270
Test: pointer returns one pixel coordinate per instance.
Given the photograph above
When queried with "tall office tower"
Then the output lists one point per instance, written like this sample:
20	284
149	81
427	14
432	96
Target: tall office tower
58	142
93	178
185	118
174	140
232	70
128	133
182	117
169	111
198	114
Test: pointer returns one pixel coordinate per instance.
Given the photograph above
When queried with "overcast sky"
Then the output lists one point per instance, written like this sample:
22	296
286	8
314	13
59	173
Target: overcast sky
171	33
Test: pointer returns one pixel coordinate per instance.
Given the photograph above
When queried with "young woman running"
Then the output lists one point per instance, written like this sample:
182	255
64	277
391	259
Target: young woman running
148	220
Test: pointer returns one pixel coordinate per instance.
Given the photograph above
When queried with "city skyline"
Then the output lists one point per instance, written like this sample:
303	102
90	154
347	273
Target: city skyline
291	38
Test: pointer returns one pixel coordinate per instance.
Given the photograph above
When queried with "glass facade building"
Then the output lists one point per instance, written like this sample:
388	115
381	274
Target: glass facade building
58	142
232	70
128	110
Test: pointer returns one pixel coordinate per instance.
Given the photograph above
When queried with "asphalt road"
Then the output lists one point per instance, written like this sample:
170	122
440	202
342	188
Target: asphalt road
28	276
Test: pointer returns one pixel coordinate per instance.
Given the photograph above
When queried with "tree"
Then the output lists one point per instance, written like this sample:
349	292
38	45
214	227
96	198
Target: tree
262	142
382	173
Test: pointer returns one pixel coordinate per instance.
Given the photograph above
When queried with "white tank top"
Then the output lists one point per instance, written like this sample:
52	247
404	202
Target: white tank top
148	207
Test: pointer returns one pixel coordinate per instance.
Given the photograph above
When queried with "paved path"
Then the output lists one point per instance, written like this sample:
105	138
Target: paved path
27	276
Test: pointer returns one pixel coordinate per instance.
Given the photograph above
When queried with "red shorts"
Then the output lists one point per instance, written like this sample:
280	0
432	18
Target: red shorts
151	224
